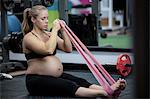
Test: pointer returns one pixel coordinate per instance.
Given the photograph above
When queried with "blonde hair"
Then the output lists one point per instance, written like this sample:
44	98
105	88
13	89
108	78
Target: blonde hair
28	13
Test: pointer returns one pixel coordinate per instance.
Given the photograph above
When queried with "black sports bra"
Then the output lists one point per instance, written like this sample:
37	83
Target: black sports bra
33	55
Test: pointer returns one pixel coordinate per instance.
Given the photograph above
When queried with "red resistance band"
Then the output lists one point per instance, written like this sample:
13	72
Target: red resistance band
94	66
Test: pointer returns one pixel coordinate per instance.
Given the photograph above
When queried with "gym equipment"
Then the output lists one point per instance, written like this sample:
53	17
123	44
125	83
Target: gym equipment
13	42
11	19
47	3
8	4
7	67
85	28
91	63
16	38
124	65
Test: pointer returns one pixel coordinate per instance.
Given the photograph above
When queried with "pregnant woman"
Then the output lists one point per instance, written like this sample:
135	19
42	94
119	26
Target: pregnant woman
45	75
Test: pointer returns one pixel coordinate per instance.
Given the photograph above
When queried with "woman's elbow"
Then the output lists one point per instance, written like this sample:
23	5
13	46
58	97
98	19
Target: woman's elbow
50	52
69	50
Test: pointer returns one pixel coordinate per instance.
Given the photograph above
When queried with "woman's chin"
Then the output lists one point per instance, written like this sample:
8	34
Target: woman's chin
46	29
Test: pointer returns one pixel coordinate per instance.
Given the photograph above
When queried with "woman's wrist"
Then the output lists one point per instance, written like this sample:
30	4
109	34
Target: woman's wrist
55	30
62	30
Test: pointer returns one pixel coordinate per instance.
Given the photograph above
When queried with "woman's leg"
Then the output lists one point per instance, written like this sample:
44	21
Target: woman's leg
95	86
84	90
115	86
87	89
79	81
42	85
96	90
87	92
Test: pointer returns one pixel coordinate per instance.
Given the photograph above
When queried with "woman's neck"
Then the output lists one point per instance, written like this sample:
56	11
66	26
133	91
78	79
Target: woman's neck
40	34
38	31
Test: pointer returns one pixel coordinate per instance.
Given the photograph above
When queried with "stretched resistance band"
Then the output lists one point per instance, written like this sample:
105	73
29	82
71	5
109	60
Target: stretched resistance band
91	65
99	66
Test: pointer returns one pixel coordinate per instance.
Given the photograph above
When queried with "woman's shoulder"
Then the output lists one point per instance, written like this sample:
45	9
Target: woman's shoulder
28	36
31	37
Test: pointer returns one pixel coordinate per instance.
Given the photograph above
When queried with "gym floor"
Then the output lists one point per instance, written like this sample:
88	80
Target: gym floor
16	89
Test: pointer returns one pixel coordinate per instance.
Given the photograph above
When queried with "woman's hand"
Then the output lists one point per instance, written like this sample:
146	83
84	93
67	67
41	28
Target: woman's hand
62	23
56	25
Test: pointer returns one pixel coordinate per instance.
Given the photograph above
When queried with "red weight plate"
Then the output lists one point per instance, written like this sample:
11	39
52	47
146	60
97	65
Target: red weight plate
122	61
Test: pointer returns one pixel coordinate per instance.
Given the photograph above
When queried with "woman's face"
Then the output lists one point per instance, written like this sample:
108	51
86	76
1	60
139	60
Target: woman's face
42	20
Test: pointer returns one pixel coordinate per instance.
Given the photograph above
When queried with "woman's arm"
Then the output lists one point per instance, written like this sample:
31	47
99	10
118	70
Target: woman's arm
34	44
64	42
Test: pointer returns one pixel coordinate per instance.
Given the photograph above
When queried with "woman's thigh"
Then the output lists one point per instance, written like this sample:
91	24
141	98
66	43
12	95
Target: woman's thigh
80	81
48	85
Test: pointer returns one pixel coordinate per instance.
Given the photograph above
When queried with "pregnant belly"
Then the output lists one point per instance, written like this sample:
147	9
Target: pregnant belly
49	65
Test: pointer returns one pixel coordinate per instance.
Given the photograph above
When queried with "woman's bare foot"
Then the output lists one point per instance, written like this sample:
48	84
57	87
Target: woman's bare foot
120	84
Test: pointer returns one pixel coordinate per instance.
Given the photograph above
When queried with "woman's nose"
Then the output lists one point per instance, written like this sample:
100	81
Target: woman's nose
46	21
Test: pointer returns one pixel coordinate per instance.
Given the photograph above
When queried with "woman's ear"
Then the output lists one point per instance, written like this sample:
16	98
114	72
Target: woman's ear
33	19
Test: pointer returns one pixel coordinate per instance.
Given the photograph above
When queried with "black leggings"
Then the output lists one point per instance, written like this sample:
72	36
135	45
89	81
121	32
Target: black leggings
65	85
